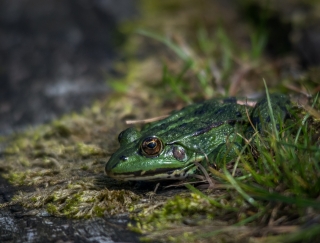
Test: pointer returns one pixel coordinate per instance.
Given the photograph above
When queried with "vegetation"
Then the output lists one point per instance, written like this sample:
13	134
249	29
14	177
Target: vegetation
271	198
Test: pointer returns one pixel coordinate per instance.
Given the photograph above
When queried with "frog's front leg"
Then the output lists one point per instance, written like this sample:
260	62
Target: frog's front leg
224	153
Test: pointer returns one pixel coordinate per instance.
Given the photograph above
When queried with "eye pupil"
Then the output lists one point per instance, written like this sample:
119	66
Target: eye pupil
151	146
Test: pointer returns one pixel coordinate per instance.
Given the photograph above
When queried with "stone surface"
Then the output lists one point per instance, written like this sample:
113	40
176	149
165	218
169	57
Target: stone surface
55	56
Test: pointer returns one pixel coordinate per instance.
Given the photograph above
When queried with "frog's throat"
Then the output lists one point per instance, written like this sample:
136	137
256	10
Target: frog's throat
158	174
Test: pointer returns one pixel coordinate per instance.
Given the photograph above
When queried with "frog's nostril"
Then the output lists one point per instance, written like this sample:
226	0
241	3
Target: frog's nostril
124	158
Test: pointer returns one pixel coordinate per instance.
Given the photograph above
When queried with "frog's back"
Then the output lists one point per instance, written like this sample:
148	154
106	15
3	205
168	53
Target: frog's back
197	118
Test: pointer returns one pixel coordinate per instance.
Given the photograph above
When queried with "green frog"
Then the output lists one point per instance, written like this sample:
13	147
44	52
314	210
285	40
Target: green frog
211	132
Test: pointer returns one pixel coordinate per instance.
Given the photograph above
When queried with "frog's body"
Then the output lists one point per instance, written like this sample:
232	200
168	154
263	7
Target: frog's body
212	131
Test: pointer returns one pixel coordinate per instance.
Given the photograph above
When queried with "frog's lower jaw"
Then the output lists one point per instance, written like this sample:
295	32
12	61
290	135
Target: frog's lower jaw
156	175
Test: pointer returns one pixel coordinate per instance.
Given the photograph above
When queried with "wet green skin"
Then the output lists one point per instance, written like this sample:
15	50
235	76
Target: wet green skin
212	131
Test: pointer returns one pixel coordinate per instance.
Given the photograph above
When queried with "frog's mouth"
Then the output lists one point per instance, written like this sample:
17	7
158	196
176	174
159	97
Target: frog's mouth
157	174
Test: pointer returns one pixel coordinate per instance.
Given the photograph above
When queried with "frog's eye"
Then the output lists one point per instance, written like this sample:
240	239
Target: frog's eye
151	146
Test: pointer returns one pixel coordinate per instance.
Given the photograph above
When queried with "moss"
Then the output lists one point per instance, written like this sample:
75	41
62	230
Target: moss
16	178
86	150
77	201
84	167
52	209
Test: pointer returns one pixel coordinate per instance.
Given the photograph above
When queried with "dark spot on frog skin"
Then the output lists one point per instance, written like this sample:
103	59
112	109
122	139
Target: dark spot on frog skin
200	111
285	111
231	100
208	128
180	118
255	120
219	111
179	153
238	114
183	125
232	122
163	126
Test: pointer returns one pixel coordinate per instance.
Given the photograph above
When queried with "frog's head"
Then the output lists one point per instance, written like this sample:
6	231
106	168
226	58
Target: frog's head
149	158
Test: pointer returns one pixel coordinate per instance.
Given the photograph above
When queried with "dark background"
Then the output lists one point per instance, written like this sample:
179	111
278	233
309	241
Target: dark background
55	56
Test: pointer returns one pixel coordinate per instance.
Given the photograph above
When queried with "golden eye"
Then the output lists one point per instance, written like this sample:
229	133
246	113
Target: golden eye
151	146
